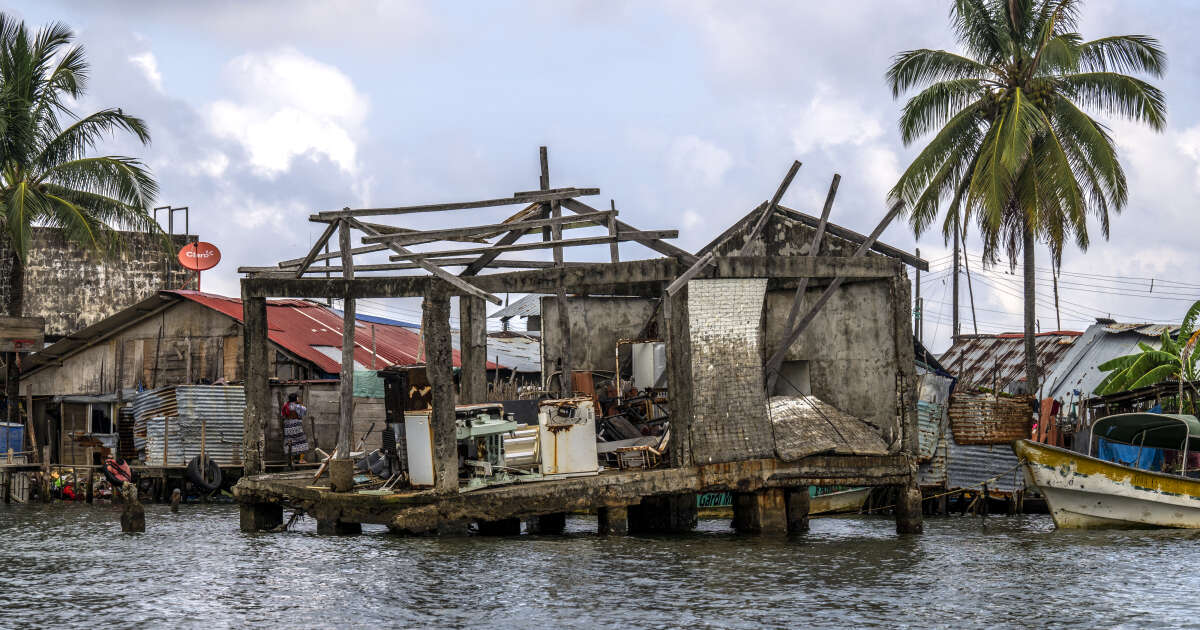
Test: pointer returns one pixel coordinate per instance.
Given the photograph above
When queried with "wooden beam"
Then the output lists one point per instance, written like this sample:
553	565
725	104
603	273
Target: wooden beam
614	251
572	242
465	205
794	334
452	279
658	245
762	219
854	237
316	249
345	432
699	266
533	209
814	248
274	272
598	218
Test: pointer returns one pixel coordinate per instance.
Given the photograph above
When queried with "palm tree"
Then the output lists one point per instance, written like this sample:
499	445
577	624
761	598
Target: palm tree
1173	359
47	177
1014	146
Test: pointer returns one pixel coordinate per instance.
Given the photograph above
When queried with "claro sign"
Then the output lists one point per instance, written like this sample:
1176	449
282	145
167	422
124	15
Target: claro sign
199	256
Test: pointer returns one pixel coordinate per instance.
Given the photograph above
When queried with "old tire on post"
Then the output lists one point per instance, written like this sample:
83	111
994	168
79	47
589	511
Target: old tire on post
205	474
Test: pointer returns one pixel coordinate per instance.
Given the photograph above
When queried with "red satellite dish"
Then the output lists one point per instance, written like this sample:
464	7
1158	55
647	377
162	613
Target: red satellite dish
199	256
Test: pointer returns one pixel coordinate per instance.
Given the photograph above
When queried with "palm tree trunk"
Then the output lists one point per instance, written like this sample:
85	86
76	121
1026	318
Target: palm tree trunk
16	304
1031	371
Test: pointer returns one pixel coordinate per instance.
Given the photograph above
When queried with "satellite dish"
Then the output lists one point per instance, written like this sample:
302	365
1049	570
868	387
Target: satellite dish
199	256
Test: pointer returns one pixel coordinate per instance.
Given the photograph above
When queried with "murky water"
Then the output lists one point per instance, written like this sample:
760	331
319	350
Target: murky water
69	565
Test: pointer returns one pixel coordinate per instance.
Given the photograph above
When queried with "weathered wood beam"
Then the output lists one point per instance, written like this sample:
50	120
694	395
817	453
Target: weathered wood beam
316	249
614	249
533	209
772	370
435	329
450	278
346	390
598	218
466	205
660	246
766	214
274	272
258	394
517	247
699	266
794	334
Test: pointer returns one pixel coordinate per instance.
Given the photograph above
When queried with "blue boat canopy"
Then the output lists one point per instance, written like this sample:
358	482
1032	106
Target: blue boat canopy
1154	430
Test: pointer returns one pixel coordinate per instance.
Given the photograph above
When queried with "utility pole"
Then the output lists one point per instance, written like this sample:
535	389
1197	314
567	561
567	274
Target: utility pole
919	311
1057	318
955	329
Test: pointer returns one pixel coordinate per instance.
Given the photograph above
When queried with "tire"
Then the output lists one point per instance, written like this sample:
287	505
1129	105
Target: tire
205	475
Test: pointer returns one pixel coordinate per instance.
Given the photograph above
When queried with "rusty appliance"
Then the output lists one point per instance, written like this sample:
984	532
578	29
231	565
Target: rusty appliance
567	432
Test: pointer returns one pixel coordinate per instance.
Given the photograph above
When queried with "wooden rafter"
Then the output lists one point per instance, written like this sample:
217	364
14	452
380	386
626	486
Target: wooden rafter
518	247
316	248
770	209
597	218
658	245
465	205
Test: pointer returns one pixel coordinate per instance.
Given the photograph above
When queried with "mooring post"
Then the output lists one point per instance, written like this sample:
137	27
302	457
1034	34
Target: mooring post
90	490
257	387
435	326
133	515
908	509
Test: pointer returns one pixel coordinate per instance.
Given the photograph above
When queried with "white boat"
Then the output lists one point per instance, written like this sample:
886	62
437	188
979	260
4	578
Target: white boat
1085	492
840	502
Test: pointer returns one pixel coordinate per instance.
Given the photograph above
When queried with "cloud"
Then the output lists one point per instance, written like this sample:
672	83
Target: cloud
287	105
831	120
147	63
696	160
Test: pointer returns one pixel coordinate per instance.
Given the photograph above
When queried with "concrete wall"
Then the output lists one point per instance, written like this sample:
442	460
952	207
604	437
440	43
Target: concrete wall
596	325
73	287
850	347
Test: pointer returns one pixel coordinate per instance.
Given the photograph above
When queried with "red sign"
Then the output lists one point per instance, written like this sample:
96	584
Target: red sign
199	256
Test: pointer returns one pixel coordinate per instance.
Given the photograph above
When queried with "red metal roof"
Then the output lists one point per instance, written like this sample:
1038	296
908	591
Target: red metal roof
300	327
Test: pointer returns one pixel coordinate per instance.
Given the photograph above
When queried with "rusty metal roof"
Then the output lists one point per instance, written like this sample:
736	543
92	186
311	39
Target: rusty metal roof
981	361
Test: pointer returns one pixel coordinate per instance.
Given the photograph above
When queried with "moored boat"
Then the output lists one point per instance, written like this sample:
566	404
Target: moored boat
838	502
1141	481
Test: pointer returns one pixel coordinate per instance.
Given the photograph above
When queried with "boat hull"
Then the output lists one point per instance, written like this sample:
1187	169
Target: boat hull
843	502
1087	493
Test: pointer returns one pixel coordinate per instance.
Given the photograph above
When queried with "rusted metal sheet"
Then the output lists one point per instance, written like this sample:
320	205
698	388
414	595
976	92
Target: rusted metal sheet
988	419
181	420
931	424
968	466
933	472
998	361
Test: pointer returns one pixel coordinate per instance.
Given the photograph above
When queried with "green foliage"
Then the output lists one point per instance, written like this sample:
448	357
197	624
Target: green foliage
1174	359
47	177
1013	147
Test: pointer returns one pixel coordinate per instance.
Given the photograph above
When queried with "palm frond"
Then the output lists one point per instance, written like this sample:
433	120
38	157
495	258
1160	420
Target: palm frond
1124	53
1118	94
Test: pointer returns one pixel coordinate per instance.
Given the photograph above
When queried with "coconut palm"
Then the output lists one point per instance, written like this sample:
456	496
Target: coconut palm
1174	359
47	177
1015	146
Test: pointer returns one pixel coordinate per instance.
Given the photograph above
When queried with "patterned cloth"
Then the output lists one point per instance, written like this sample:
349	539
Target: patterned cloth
294	439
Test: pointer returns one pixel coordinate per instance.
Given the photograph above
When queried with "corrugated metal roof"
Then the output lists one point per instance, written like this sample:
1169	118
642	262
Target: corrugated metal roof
524	307
299	325
978	361
511	350
1101	342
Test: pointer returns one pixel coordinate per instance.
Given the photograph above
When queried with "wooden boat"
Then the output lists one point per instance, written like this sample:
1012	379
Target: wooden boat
840	502
1089	492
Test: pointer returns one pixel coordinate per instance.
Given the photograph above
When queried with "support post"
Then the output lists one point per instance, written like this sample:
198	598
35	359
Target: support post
673	513
472	312
503	527
547	524
612	520
341	467
258	391
256	517
761	512
908	509
798	501
679	377
435	327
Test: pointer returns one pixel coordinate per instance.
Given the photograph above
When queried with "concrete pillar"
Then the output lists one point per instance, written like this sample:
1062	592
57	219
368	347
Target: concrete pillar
341	474
341	467
260	516
547	523
435	326
761	512
908	509
612	521
334	527
503	527
472	352
675	513
679	377
258	391
798	501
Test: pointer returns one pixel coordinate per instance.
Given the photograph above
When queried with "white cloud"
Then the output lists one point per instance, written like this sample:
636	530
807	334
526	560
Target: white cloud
288	105
831	120
148	64
693	159
212	165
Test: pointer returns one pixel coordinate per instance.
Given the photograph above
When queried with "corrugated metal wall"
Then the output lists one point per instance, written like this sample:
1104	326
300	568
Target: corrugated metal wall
186	414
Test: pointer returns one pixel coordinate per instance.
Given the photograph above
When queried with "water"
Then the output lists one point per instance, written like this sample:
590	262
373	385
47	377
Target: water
69	566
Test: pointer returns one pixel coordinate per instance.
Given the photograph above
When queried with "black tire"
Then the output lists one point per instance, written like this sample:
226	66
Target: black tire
205	475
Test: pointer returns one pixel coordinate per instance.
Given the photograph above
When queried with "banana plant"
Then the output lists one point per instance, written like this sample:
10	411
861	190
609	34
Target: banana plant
1174	359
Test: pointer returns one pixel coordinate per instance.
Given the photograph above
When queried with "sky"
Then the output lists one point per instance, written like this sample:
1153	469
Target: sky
685	114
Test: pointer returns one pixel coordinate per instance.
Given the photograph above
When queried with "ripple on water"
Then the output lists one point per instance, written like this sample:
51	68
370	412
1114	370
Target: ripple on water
68	565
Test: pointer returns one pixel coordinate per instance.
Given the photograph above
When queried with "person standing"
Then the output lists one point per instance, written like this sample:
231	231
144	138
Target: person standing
295	442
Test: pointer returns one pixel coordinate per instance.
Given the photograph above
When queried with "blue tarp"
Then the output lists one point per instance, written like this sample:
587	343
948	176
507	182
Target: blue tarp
1125	454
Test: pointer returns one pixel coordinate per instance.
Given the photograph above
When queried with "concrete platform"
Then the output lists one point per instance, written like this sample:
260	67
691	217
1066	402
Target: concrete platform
422	512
